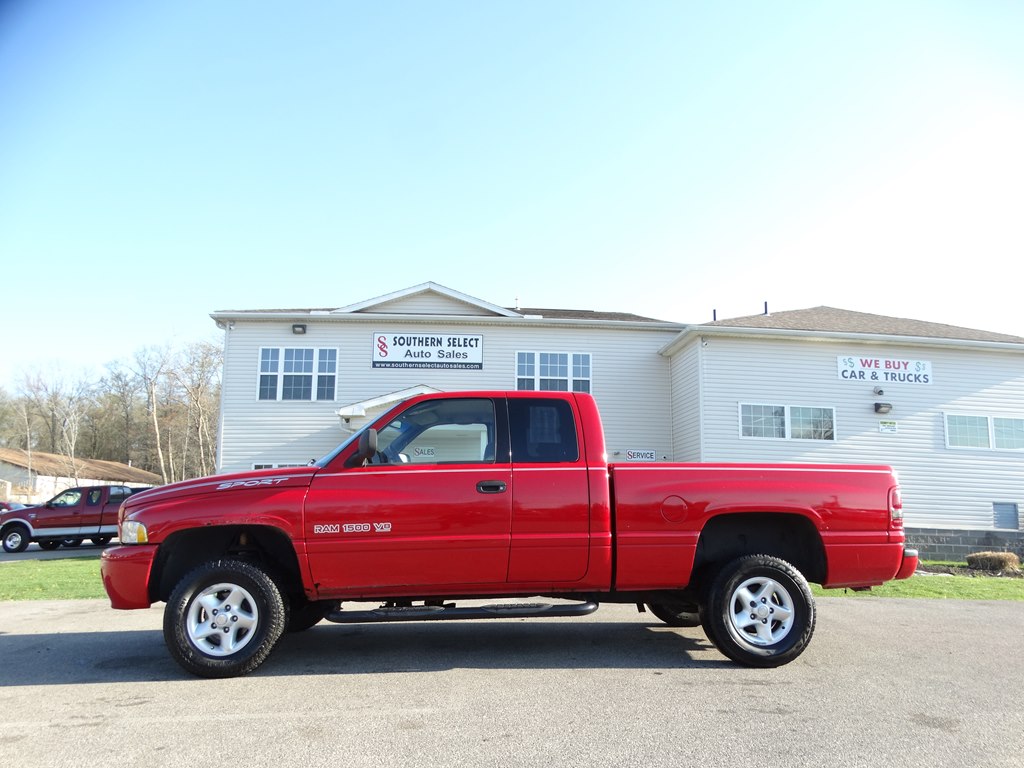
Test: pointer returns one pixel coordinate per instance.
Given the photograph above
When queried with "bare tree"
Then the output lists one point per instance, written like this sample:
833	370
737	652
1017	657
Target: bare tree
151	366
158	412
199	378
71	406
123	389
60	407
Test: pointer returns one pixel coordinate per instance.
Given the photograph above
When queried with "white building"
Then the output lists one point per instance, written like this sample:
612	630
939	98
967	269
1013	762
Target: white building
943	405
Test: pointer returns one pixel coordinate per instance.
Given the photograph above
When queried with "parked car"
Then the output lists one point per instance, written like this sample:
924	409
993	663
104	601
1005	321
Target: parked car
8	506
67	519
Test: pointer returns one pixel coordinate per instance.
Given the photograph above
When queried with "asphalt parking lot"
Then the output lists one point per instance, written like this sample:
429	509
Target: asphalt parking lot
885	682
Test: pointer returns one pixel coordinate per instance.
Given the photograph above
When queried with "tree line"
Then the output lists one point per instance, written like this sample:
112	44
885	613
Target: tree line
157	411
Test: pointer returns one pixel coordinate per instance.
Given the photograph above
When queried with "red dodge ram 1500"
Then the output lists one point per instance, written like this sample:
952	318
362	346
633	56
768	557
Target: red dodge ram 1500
470	495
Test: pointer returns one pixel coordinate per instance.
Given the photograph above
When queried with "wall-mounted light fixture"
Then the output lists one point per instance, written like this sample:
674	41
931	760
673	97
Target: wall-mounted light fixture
883	407
878	391
298	328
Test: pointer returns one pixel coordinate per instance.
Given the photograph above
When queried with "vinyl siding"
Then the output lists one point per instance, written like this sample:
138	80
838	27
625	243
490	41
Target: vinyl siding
686	403
942	487
427	303
629	380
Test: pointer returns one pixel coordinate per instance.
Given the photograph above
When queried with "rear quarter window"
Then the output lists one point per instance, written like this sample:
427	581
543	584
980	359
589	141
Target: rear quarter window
543	431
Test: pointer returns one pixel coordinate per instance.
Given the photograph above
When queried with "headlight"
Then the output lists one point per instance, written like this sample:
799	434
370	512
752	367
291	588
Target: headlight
133	532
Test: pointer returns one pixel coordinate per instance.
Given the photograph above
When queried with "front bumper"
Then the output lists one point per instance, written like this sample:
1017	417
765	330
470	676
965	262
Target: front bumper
125	571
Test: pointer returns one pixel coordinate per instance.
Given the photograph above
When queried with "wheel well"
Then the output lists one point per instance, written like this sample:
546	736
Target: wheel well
790	537
14	524
269	548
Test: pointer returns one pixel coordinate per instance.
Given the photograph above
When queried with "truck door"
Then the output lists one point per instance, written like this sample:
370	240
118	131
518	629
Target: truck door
550	492
62	514
91	511
433	508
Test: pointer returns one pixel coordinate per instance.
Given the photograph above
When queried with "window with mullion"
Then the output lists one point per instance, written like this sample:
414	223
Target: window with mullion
553	371
780	422
1001	433
298	373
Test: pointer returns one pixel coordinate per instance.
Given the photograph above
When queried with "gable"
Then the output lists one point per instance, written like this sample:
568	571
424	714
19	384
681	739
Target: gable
427	299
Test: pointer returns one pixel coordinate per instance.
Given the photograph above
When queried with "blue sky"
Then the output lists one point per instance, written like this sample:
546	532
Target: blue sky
160	161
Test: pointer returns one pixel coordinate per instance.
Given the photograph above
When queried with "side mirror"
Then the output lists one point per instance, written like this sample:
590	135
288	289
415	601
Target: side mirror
366	449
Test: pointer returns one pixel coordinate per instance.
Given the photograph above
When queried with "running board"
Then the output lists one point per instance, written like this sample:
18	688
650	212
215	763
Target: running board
452	613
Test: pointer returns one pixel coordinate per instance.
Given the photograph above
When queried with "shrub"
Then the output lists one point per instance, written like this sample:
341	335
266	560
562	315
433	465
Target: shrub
994	561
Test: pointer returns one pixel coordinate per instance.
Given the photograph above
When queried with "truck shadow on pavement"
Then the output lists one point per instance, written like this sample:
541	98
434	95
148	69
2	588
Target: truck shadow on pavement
327	649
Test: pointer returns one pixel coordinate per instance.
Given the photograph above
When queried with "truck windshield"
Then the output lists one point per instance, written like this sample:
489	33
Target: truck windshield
323	461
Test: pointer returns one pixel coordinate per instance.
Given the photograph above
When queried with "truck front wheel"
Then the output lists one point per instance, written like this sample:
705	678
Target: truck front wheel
16	538
759	611
223	619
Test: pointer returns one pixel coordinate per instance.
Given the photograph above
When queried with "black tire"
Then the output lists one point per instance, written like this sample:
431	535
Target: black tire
676	614
71	542
305	615
16	538
759	611
100	541
49	543
247	631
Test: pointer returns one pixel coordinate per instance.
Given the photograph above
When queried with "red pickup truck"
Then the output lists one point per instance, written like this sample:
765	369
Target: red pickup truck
495	495
68	518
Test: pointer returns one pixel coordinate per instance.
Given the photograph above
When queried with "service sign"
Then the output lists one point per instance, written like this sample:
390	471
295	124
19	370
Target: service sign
419	349
641	455
884	370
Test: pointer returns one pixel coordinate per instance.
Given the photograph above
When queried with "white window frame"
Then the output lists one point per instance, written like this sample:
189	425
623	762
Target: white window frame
280	374
990	421
570	378
275	465
787	422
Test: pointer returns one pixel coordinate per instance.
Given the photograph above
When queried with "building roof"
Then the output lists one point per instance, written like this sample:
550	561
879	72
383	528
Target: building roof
586	314
477	307
832	320
54	465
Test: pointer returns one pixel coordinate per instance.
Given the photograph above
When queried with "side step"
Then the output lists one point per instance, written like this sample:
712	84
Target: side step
452	613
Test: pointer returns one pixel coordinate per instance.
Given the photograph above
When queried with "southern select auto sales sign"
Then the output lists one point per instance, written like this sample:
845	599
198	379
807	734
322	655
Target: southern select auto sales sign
419	349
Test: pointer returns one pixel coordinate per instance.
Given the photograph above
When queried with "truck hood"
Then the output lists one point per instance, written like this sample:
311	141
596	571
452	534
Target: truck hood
240	482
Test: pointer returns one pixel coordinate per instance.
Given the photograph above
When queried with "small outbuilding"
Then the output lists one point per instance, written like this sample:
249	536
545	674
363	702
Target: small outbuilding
34	477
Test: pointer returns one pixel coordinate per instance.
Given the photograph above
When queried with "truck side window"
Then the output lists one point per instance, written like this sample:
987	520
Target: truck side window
444	431
543	431
94	497
68	498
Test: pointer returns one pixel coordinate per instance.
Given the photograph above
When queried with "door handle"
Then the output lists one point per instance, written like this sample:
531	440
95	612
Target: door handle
491	486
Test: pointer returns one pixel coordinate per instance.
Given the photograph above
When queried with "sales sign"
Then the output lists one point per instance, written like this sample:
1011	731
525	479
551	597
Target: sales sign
884	370
417	349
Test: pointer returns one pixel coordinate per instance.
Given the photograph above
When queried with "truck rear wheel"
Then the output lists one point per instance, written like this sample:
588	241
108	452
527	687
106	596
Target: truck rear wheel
759	611
16	538
223	619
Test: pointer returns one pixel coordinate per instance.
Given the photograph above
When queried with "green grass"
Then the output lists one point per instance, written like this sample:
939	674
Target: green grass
79	578
941	587
75	578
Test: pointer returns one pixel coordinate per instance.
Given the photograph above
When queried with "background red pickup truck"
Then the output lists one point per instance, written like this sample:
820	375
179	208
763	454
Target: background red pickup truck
68	518
494	495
